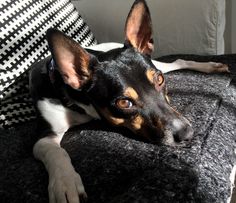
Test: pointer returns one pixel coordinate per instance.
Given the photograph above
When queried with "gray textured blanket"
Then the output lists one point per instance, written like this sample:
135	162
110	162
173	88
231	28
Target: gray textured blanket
116	168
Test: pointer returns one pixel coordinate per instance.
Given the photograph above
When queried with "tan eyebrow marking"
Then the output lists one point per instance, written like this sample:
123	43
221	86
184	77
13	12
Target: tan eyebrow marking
150	73
130	92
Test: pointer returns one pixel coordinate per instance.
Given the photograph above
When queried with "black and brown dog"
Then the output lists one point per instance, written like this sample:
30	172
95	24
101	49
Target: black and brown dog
123	86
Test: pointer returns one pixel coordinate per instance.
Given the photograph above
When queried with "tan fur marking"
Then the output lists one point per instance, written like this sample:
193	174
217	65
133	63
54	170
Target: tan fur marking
150	73
130	92
113	120
117	121
137	122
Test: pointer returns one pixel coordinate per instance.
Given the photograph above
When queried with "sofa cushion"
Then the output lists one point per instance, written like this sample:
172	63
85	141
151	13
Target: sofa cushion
22	33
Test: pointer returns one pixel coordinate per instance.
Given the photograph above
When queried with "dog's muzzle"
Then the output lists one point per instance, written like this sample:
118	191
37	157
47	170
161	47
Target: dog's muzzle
178	131
171	129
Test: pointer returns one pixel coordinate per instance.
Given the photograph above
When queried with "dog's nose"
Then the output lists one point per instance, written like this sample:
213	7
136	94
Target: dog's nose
175	131
185	134
182	131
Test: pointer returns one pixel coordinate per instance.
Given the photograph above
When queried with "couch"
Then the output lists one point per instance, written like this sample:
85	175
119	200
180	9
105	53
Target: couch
114	165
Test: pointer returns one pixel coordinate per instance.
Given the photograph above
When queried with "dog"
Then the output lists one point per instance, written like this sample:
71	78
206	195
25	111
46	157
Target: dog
119	83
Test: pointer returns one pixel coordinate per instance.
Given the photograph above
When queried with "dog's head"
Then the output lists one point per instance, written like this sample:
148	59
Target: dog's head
123	84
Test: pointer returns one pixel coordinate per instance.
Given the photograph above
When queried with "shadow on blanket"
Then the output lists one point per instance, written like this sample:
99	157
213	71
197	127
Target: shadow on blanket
117	168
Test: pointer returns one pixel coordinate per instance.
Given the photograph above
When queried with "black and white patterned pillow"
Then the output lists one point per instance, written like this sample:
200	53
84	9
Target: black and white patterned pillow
23	25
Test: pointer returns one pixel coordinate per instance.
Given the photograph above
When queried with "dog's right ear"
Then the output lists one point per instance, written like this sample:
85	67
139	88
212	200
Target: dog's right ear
138	28
73	62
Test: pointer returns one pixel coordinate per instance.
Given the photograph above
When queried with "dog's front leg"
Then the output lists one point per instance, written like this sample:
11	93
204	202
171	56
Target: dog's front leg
65	185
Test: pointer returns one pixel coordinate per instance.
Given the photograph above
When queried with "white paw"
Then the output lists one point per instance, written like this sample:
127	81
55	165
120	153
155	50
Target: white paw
65	186
213	67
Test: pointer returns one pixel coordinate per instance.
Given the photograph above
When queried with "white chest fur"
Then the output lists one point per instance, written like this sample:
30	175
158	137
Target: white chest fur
61	118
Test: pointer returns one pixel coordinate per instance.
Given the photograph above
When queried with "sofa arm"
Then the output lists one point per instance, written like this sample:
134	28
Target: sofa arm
184	26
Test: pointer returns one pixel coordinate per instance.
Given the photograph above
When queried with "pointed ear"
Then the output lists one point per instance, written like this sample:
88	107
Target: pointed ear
73	62
138	28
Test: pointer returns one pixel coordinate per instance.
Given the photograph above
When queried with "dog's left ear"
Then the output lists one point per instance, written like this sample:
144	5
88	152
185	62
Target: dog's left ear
138	28
73	62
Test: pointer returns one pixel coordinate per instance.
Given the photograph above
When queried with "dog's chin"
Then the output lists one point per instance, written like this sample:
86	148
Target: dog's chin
163	142
167	139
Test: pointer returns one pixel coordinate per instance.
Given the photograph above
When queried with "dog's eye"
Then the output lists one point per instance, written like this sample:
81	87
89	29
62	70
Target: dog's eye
159	79
124	103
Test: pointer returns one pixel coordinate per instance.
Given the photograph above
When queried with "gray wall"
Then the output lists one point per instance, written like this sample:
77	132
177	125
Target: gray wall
233	24
230	30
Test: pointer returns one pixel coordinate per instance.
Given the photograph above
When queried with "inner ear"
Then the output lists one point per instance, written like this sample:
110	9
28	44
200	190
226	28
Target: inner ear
138	28
72	61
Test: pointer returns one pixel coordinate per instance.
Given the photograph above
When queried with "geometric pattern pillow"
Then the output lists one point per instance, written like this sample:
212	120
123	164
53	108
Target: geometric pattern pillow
23	25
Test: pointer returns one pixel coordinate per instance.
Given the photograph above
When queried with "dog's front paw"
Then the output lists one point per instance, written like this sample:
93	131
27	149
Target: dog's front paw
66	187
213	67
